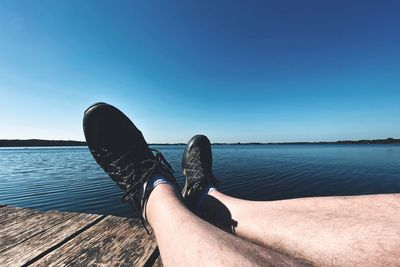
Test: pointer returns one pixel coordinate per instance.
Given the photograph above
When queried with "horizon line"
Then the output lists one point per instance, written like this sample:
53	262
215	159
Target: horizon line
50	142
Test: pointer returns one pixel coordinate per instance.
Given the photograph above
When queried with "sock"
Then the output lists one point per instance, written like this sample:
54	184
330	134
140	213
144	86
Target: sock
157	180
203	194
150	185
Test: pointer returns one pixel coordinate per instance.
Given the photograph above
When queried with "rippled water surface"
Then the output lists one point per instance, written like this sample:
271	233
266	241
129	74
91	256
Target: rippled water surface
69	179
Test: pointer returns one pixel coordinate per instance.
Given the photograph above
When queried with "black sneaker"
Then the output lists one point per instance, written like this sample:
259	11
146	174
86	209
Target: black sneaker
197	165
120	149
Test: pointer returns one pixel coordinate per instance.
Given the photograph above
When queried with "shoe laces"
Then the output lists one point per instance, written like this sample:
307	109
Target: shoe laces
196	169
133	175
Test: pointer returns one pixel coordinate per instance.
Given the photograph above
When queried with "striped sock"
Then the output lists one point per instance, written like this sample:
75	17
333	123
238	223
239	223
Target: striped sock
157	180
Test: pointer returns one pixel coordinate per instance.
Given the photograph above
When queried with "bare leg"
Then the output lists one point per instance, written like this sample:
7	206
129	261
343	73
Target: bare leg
186	240
355	230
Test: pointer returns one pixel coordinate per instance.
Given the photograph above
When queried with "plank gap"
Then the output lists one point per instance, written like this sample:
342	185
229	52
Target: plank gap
36	233
61	243
152	259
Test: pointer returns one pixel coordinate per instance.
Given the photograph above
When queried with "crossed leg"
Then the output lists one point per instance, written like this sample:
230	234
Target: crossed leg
186	240
339	231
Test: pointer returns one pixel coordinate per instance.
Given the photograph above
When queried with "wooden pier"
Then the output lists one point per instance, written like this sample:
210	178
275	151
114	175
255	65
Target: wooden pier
29	237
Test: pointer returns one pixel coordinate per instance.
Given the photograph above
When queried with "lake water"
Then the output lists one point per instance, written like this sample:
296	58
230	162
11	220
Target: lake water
69	179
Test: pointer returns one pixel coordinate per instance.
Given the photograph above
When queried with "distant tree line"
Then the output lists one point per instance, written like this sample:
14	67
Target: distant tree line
38	142
45	143
373	141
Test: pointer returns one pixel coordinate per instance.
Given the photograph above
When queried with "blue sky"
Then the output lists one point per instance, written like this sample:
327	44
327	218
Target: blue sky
235	70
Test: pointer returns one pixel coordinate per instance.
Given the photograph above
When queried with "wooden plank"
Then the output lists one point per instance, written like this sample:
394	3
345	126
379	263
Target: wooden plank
9	213
6	210
16	231
52	235
27	225
114	241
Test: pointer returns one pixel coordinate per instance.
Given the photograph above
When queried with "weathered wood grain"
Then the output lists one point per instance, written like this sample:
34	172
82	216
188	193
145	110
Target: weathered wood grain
8	213
16	231
113	241
10	209
25	249
29	237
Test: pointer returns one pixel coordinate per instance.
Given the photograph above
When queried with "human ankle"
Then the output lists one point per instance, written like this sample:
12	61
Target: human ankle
160	199
214	192
156	185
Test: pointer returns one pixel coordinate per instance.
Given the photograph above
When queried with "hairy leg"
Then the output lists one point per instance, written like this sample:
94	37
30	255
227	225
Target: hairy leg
186	240
353	230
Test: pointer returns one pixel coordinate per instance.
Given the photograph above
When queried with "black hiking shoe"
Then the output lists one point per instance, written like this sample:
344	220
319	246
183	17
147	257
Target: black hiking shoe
197	165
120	149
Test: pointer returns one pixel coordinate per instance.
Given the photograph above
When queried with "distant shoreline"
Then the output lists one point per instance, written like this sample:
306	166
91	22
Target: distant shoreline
38	143
52	143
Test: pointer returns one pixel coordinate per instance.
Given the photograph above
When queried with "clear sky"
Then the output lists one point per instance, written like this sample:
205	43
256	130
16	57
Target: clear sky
237	71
